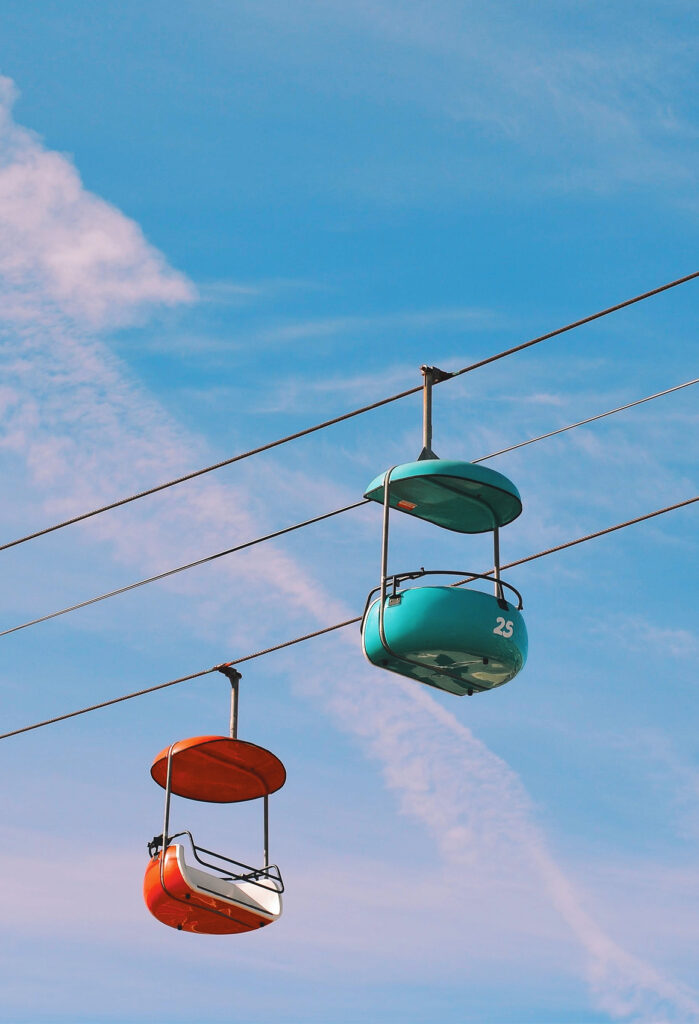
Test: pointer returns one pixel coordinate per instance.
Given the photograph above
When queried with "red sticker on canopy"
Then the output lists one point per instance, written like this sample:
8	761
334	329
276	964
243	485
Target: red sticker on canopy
407	505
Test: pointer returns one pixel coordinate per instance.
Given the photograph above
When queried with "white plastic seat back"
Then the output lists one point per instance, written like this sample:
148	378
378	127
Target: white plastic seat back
267	901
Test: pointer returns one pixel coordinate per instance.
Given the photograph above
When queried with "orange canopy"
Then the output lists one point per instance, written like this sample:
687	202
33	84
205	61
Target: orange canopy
218	769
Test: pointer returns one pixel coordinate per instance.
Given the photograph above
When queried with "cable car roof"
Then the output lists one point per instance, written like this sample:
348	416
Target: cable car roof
459	496
218	769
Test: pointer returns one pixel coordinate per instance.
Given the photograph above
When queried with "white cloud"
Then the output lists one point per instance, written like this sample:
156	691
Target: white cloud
236	292
59	241
416	320
630	630
479	814
567	88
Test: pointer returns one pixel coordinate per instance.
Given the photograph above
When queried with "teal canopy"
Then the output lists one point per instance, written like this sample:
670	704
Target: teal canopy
458	496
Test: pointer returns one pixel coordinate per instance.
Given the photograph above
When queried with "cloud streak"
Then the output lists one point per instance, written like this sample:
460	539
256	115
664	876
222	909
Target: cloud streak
61	242
479	814
565	84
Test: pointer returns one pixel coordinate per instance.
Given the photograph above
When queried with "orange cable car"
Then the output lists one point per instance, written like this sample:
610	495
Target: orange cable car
203	891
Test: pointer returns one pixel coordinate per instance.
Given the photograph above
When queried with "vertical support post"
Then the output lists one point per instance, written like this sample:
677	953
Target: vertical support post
235	679
166	819
384	553
431	375
496	558
168	790
265	851
428	381
384	531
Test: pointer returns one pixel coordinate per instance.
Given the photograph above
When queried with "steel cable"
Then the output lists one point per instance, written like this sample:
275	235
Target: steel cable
576	323
329	629
345	416
315	519
181	568
590	419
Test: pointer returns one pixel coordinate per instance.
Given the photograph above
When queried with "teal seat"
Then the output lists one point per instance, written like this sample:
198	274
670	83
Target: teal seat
458	496
462	641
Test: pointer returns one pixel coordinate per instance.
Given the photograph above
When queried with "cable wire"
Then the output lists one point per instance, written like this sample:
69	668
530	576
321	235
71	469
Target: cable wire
586	537
182	568
576	323
316	519
330	629
339	419
208	469
181	679
590	419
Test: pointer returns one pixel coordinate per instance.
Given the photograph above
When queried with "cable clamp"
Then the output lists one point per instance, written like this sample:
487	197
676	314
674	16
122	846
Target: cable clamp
229	672
436	374
154	845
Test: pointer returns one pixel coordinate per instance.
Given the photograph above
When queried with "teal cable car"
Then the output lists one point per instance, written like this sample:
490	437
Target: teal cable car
463	641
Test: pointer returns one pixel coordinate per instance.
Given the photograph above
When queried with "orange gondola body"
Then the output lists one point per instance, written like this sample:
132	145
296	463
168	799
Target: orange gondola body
206	892
178	901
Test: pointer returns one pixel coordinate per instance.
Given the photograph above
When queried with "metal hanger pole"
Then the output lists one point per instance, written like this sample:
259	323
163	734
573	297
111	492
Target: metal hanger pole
384	552
234	706
166	819
496	558
168	791
266	832
234	676
431	375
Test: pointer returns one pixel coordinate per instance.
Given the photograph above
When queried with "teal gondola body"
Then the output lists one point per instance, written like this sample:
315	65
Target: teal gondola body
462	641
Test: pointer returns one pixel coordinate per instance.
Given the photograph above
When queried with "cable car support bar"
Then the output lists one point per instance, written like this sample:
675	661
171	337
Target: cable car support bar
431	375
166	819
235	676
440	670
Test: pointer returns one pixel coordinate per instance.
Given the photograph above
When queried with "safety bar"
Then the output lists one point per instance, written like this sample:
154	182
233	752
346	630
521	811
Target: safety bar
396	579
248	874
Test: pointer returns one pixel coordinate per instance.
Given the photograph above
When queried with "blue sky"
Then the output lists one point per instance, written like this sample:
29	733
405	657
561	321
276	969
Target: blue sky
220	223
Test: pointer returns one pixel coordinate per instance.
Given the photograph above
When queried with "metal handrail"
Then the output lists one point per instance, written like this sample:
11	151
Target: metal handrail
395	579
249	874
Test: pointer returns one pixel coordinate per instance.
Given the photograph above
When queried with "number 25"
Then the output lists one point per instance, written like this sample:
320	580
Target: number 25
504	628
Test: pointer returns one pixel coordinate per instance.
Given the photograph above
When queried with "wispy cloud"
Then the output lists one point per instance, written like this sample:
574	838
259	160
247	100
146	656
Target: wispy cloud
61	242
415	320
479	813
565	82
664	767
292	394
235	293
84	428
629	630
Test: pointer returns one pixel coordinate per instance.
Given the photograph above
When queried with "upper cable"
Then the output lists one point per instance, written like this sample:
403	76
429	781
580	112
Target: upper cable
335	626
320	518
345	416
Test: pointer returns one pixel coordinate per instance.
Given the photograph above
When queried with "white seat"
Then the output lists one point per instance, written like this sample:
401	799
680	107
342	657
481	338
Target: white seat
264	899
